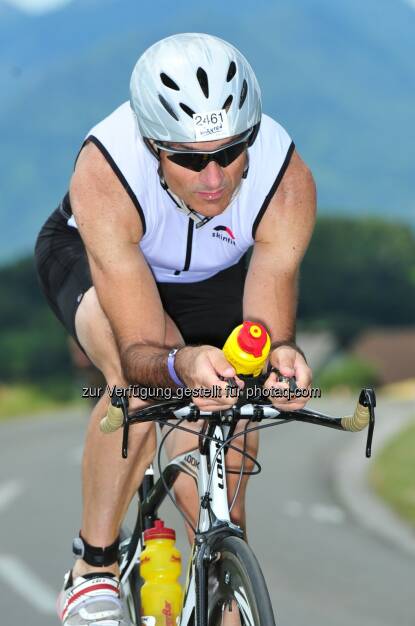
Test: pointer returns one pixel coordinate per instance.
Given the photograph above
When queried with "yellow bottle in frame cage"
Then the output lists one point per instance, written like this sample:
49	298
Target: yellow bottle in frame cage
160	567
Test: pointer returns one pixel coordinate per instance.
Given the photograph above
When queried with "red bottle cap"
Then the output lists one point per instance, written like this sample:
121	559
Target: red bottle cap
159	532
252	338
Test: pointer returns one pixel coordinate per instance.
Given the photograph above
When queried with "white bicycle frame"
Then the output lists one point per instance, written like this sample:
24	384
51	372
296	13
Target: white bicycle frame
211	483
215	487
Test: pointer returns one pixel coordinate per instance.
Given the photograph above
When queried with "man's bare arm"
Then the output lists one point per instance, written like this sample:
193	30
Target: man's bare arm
271	288
281	241
111	230
125	286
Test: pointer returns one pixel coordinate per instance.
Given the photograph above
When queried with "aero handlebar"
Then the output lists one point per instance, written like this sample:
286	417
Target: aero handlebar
117	415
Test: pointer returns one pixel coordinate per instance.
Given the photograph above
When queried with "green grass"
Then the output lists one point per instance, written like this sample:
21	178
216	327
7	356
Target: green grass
346	373
25	399
393	474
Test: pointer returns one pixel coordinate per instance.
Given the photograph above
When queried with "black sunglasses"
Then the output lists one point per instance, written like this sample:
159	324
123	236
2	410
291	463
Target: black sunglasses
197	161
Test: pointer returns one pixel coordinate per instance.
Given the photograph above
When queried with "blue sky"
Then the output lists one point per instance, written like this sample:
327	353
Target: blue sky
36	6
42	6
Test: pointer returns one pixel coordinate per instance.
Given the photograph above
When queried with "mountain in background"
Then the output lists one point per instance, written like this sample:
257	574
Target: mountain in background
338	75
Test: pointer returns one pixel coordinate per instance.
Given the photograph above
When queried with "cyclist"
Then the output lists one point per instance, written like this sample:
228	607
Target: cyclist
143	263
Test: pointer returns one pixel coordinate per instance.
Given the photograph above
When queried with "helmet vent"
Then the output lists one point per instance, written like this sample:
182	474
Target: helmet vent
231	71
169	82
244	92
203	81
187	109
168	107
227	103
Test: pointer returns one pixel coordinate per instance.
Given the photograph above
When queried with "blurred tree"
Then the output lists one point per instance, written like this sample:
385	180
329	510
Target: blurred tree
347	372
32	342
358	273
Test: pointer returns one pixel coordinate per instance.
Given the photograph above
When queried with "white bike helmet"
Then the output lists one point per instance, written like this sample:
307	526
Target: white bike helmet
187	80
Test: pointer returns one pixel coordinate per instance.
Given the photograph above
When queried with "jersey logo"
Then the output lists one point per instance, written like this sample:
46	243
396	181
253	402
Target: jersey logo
229	237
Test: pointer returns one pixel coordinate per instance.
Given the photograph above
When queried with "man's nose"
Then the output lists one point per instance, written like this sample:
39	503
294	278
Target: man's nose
212	176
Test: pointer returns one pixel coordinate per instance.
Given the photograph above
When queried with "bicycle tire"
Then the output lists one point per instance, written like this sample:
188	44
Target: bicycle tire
236	577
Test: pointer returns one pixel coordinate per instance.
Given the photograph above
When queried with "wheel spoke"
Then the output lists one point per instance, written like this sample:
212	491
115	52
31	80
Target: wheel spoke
244	608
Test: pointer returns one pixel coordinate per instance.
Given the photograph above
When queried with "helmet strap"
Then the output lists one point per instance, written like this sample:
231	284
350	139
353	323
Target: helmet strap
180	204
254	134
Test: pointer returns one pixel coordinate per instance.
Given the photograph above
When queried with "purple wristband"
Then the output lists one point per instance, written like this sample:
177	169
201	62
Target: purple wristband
172	371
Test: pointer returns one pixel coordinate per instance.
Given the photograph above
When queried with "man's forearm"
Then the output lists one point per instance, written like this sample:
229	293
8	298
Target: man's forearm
273	301
146	365
277	310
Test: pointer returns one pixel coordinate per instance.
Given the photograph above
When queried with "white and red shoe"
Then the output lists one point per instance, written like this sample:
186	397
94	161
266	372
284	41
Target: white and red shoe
91	600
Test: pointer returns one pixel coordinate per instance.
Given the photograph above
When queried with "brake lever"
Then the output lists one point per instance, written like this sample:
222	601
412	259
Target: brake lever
125	431
367	398
121	402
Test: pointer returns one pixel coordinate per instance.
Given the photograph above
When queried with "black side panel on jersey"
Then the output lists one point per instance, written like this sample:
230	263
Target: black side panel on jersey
273	189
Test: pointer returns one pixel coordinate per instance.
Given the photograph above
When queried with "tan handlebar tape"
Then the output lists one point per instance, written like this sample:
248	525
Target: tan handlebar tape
113	420
358	421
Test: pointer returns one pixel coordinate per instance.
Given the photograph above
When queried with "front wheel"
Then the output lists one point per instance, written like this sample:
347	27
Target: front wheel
237	587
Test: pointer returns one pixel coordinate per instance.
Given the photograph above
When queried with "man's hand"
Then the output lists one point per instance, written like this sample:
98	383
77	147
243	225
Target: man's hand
290	363
205	367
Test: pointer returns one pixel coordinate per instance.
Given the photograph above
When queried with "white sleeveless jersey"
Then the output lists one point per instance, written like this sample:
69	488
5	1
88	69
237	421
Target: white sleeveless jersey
174	248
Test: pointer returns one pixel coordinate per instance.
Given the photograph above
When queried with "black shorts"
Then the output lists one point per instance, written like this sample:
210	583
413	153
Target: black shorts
205	311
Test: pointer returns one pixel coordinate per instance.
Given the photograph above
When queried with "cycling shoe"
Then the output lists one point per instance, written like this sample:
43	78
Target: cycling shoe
91	600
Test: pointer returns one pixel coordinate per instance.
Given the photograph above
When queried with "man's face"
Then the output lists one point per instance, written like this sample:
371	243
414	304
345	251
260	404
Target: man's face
209	191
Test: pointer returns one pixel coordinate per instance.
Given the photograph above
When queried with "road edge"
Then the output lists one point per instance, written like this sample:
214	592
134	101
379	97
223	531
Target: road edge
352	487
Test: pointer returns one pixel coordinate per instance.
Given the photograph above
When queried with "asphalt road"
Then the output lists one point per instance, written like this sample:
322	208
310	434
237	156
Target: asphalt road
322	568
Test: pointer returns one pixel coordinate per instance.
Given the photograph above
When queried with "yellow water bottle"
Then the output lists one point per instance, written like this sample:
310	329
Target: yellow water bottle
247	348
160	567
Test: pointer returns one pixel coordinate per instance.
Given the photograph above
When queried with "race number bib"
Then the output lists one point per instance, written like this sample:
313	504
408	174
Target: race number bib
210	126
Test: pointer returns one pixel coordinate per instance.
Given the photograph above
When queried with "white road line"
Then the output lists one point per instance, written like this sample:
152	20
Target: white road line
323	513
17	575
327	514
9	492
